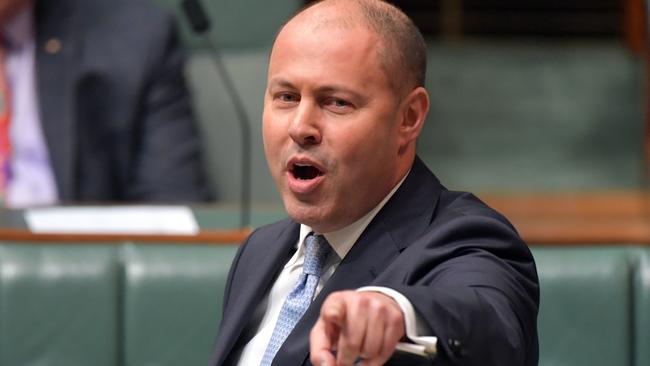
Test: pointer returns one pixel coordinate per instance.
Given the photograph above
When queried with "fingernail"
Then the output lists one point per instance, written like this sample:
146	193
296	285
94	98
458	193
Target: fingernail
323	362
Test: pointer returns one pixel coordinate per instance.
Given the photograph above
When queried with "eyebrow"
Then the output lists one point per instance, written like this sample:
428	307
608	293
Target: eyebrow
279	82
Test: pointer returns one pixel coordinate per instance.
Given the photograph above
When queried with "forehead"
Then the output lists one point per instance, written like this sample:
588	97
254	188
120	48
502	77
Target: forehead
322	46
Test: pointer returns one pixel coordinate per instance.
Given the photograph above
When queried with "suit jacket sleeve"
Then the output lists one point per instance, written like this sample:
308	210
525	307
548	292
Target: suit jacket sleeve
474	285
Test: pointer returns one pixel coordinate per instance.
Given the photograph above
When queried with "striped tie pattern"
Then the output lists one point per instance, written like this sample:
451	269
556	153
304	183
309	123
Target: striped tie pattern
316	250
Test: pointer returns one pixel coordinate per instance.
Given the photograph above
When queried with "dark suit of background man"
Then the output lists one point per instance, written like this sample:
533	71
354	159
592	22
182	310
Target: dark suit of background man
410	259
101	110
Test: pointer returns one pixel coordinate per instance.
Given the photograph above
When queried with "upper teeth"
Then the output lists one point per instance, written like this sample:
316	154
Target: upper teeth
302	165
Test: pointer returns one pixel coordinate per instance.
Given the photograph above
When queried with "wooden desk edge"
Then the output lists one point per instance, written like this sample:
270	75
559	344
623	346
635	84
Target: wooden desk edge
223	237
598	218
234	236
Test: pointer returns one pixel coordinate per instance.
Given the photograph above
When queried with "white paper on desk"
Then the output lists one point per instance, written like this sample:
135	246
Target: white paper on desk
113	220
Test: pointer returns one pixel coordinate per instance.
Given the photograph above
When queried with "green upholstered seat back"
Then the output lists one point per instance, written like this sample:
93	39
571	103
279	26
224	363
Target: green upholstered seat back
503	117
219	125
110	304
172	302
642	309
534	115
58	305
237	23
586	298
128	304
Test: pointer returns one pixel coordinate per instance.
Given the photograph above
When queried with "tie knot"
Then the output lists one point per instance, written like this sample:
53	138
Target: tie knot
316	250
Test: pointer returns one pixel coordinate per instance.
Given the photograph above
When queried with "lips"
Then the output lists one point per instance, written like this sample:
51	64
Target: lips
304	175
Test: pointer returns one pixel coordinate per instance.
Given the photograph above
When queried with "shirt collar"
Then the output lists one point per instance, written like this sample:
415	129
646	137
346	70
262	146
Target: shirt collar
20	28
343	240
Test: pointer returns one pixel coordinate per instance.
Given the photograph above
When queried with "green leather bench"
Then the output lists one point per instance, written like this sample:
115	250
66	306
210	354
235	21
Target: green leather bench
586	304
125	304
641	306
110	304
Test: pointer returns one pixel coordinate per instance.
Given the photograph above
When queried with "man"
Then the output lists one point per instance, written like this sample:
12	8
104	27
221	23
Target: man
99	110
404	258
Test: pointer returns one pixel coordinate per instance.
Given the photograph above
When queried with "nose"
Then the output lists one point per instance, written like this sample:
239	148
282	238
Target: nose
305	126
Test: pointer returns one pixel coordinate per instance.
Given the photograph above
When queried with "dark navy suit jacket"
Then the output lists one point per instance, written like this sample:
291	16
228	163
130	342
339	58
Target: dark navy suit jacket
114	107
461	264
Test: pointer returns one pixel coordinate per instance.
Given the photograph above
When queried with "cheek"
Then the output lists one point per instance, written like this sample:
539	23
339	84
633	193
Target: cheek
360	153
266	139
369	143
271	134
371	152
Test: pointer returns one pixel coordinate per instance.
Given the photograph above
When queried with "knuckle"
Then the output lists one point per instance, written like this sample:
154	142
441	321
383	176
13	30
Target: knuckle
395	317
362	300
378	306
370	350
351	343
331	298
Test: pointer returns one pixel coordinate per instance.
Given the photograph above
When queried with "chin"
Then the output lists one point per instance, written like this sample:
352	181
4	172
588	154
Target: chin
312	215
301	212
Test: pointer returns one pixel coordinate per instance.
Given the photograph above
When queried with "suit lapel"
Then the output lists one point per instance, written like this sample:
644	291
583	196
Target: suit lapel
402	220
359	268
56	64
268	257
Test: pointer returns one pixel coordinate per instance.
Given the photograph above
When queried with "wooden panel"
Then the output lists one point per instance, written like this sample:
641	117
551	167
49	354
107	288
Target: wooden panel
586	218
635	25
598	218
205	237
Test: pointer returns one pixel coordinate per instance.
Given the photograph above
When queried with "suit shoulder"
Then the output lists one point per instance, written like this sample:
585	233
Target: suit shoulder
272	230
465	206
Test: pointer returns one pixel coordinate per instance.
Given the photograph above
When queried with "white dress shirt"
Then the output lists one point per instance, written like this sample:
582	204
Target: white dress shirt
341	242
32	180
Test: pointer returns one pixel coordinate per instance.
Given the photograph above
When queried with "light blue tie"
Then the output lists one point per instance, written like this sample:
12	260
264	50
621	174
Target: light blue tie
298	300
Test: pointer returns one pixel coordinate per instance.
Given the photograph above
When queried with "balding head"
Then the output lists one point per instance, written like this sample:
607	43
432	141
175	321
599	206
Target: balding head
402	52
343	108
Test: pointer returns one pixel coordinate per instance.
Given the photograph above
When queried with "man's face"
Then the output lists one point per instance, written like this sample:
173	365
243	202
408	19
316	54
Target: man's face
330	124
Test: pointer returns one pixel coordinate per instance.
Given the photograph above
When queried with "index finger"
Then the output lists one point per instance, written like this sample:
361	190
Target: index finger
321	341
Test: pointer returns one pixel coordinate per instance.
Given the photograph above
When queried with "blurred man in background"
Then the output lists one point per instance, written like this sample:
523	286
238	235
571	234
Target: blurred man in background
93	105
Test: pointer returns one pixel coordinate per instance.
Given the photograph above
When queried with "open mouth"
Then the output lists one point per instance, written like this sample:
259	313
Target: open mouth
305	171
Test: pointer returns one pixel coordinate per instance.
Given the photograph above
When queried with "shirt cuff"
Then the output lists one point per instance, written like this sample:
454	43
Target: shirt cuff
411	318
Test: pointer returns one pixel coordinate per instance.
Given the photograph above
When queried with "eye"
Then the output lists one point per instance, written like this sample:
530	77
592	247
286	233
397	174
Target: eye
287	97
338	105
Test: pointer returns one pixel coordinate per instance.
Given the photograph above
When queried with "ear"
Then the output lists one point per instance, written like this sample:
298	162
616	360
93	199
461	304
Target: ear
414	112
